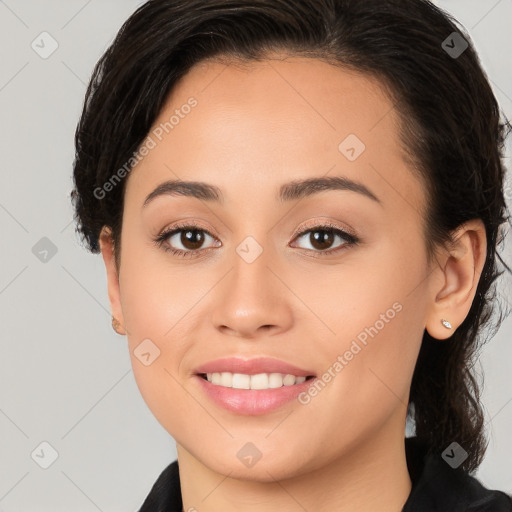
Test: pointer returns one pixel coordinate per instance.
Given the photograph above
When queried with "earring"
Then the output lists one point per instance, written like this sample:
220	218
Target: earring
447	324
116	324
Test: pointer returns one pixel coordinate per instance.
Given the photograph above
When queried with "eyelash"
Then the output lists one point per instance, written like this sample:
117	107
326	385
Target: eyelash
161	238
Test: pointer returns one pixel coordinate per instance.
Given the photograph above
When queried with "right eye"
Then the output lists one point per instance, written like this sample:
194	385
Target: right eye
190	236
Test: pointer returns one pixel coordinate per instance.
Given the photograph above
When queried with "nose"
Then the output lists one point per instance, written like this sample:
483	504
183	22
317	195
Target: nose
253	300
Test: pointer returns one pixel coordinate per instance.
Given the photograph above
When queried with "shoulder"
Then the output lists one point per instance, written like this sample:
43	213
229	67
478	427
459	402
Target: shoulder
437	487
165	495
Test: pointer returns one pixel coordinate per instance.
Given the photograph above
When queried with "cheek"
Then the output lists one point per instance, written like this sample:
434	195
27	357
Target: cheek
164	396
373	383
153	295
375	310
154	304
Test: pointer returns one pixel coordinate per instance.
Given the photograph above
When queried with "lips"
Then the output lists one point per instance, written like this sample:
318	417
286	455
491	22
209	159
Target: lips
252	367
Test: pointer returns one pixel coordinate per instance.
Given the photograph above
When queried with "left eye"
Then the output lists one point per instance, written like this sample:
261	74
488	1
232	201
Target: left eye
321	238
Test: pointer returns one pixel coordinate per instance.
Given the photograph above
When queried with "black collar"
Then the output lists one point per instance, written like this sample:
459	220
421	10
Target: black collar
436	487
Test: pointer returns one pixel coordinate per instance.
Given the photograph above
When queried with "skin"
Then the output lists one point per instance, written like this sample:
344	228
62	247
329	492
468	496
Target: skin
255	128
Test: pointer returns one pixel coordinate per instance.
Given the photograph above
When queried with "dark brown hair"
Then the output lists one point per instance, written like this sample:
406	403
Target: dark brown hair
450	127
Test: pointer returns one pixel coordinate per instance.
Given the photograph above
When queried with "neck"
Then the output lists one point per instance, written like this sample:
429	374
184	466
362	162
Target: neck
372	476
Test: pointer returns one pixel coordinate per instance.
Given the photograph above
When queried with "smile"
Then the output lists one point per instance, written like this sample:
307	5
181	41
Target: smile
257	381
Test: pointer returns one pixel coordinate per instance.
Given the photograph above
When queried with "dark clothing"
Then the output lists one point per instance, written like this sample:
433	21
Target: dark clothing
436	487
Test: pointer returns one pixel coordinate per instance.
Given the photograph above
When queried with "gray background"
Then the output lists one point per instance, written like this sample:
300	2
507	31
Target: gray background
65	376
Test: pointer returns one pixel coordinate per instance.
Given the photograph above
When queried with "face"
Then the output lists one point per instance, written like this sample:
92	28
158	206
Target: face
330	279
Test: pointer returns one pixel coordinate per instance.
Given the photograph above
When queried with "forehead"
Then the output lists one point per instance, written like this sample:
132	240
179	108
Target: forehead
260	123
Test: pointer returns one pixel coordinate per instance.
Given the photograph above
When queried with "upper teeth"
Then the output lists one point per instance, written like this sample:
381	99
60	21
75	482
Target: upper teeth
258	381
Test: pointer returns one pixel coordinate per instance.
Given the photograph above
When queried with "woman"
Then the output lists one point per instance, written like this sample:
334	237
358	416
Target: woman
298	205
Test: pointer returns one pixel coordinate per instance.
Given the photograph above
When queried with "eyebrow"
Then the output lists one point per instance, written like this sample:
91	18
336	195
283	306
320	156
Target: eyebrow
296	189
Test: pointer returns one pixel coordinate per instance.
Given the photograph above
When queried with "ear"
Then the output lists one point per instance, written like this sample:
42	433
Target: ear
107	251
455	287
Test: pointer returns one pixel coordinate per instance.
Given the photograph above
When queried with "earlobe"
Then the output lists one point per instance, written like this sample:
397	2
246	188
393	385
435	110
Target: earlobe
107	252
460	276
